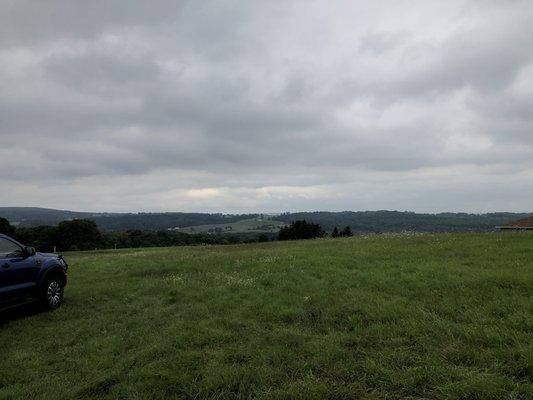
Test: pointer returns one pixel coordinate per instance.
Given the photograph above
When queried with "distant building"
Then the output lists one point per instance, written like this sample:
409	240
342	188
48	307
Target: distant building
525	224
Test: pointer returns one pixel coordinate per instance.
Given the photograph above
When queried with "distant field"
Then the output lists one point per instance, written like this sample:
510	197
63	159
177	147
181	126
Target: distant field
251	225
433	316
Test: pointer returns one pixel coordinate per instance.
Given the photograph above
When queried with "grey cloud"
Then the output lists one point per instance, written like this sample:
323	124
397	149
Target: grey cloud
26	22
377	43
483	59
102	73
242	97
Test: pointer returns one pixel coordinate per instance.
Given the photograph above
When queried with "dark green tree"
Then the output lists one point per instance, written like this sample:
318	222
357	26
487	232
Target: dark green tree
335	233
6	228
300	230
347	231
79	234
43	238
262	238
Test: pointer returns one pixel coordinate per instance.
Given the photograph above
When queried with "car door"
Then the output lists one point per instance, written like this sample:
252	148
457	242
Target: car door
18	273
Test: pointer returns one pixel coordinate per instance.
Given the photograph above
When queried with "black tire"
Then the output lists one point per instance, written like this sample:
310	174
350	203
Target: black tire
52	293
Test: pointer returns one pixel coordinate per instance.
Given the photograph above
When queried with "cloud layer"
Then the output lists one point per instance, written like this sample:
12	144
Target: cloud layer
267	106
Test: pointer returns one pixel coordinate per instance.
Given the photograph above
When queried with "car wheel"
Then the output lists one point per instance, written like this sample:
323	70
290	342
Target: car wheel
52	296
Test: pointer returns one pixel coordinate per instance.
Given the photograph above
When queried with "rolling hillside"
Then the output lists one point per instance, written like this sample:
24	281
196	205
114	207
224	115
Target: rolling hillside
34	216
30	216
360	222
396	221
250	225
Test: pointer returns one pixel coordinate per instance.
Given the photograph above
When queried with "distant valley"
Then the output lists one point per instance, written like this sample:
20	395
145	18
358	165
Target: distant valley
360	221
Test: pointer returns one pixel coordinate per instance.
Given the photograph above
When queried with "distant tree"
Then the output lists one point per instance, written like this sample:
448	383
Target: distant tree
335	233
82	234
6	228
262	238
135	238
300	230
43	238
347	231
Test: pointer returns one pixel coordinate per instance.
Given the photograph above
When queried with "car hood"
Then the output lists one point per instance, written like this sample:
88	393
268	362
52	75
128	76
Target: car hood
48	255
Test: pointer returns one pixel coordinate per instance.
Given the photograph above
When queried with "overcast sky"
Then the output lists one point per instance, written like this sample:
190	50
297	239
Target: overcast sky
243	106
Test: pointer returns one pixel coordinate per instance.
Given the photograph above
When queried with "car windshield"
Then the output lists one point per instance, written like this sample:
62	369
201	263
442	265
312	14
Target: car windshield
9	248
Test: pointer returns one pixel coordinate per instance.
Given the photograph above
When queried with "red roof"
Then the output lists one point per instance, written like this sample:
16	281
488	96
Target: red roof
523	223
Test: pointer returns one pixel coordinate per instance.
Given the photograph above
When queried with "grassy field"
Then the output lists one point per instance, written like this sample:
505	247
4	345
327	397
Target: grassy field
251	225
375	317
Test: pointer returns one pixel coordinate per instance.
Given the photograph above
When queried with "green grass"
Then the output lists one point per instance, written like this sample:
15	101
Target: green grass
375	317
251	225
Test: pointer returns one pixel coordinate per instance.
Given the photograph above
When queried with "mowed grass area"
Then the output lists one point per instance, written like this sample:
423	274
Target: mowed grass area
433	316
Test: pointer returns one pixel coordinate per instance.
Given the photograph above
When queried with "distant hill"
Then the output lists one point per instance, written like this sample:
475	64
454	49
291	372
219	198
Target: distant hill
163	221
396	221
34	216
360	222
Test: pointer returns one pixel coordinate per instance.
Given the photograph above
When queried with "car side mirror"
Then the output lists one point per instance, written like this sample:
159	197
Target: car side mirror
29	251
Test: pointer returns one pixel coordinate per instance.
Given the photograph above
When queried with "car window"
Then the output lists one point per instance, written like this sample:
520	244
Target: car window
8	248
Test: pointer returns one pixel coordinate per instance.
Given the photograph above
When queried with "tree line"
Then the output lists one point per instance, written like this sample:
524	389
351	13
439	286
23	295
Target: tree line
302	229
359	221
84	234
363	222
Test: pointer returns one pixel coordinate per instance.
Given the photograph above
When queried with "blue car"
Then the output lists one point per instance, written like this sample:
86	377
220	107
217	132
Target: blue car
27	276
